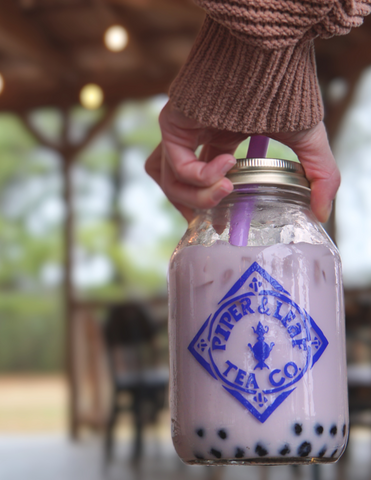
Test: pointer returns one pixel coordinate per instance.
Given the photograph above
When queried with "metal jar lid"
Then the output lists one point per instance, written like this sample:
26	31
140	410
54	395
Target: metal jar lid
268	171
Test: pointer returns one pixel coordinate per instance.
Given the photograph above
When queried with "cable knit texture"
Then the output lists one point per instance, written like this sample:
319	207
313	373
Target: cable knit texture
252	67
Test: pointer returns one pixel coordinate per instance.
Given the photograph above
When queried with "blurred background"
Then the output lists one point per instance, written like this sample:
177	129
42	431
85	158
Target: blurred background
86	236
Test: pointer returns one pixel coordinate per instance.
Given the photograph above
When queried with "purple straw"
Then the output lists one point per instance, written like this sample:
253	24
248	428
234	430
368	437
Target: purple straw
258	147
242	211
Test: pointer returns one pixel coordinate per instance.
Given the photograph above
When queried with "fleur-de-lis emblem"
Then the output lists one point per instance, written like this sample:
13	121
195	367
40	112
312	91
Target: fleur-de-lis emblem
255	285
202	345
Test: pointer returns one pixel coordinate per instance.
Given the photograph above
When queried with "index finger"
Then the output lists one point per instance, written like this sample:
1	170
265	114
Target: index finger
180	138
187	168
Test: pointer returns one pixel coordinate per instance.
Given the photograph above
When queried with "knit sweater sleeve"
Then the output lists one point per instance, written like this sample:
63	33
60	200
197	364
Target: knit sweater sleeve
252	67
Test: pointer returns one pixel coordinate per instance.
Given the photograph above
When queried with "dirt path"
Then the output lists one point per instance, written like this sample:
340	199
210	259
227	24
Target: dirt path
31	404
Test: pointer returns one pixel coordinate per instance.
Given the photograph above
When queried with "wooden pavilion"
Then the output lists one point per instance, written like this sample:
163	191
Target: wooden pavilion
50	49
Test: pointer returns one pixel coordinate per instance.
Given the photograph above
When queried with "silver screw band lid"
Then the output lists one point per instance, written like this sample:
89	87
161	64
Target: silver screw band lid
268	171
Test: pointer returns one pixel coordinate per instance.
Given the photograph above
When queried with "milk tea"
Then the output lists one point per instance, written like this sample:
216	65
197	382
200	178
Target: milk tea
257	366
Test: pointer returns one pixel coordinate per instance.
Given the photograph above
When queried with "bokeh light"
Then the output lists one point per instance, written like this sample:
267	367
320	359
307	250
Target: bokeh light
91	96
116	38
1	83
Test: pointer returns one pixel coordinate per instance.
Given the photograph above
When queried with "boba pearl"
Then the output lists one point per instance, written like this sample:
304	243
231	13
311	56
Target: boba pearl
322	452
216	453
260	450
239	453
298	428
285	450
222	434
304	449
319	429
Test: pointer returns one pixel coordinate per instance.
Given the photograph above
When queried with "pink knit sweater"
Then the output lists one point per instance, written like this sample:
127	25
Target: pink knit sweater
252	68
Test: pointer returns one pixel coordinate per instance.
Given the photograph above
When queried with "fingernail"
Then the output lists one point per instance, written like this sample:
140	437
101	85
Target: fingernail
231	163
328	211
225	188
325	213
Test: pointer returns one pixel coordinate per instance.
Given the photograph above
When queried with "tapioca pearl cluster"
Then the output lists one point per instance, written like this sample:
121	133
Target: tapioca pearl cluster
332	430
200	432
217	452
305	447
260	448
214	451
302	449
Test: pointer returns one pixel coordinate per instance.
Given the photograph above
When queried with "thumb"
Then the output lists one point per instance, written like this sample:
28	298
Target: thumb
314	152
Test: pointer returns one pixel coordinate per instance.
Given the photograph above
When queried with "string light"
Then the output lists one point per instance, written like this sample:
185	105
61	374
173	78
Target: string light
91	96
116	38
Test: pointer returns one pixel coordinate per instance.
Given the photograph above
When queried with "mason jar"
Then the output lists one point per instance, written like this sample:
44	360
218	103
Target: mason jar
256	327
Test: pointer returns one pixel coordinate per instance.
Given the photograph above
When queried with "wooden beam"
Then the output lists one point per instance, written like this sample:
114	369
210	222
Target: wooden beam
96	129
116	90
38	135
20	38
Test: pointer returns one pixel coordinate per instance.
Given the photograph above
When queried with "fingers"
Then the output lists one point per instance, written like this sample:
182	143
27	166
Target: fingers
186	197
323	191
188	213
153	168
192	183
181	137
153	164
189	182
191	195
187	168
219	147
314	152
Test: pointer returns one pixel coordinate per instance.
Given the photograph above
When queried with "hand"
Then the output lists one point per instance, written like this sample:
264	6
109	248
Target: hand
190	182
314	152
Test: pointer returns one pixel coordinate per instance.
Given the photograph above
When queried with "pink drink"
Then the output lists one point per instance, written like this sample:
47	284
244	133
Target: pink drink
258	372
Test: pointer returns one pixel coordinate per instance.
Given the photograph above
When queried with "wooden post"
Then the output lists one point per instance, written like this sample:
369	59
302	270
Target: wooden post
68	153
68	297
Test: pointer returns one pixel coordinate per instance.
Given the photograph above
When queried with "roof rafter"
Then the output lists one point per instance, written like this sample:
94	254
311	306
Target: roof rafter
20	37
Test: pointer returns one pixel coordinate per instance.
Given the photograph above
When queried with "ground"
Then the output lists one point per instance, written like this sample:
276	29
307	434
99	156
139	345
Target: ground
34	444
32	404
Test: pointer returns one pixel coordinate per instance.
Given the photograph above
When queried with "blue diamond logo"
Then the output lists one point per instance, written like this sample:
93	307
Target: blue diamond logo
259	343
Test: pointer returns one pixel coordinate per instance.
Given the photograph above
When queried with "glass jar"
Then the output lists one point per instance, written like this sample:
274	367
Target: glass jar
256	326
